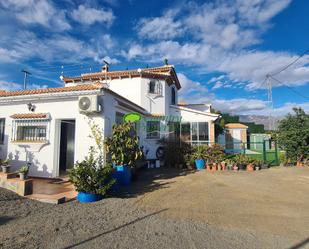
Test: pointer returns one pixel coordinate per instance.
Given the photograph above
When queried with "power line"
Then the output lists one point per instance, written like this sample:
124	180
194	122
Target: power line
298	93
290	64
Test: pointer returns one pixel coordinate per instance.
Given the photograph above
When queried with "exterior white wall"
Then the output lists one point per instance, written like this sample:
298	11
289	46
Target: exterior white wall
130	88
45	157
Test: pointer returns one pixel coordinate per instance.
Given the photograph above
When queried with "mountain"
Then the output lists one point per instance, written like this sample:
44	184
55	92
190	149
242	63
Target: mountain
261	120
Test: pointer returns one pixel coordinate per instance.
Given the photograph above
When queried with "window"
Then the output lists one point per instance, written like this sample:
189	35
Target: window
203	131
153	130
2	130
30	130
195	132
155	87
119	118
173	96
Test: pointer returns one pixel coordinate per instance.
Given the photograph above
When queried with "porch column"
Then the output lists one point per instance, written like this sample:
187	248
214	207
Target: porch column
211	133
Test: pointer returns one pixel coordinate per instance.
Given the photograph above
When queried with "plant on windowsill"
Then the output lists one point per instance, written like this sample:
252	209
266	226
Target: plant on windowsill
23	172
91	178
5	166
124	151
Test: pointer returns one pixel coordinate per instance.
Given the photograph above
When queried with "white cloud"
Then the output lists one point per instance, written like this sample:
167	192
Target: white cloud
217	85
9	86
189	87
164	27
218	38
89	16
55	48
40	12
196	92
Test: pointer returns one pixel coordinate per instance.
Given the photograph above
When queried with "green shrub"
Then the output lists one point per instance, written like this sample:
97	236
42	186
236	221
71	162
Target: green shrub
89	175
176	152
24	169
123	146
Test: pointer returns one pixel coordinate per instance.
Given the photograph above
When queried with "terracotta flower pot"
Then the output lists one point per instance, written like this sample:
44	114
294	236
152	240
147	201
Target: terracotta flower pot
250	167
299	164
223	166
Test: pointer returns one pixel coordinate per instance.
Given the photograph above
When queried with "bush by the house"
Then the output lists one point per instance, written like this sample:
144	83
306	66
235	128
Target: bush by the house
123	146
177	153
90	176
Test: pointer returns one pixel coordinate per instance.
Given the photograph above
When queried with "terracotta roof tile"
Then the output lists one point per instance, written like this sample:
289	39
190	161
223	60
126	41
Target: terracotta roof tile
30	116
166	72
81	87
236	126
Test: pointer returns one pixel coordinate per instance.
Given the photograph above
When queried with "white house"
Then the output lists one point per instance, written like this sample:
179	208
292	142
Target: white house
49	128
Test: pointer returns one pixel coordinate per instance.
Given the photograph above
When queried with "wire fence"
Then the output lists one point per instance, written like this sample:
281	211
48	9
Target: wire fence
266	151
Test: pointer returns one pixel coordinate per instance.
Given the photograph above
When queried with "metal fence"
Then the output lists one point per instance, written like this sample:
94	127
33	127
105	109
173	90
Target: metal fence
266	151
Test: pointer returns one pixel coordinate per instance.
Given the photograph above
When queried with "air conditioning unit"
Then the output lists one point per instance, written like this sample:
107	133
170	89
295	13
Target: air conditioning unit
89	104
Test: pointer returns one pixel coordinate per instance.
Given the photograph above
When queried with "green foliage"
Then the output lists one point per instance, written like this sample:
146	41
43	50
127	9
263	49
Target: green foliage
4	162
123	145
241	159
293	135
254	128
24	169
211	154
90	176
176	152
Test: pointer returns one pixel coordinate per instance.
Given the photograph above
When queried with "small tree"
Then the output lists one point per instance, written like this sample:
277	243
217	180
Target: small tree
123	146
293	135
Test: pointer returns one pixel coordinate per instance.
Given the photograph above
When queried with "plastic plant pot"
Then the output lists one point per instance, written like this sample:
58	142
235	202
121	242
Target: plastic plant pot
88	197
200	164
122	174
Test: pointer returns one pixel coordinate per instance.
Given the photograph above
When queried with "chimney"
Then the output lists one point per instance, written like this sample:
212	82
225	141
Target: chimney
105	67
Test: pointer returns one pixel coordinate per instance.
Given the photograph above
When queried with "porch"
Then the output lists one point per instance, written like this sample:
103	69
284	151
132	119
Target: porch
53	191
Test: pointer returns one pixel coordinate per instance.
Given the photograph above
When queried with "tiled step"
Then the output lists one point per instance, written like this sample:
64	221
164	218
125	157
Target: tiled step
47	198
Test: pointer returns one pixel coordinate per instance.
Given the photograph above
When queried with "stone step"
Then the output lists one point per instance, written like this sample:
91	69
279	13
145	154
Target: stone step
47	199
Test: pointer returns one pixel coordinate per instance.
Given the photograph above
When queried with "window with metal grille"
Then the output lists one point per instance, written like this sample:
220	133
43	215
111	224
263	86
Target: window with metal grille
155	87
30	130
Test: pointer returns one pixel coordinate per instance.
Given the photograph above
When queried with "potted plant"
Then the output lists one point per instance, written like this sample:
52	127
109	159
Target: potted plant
5	166
223	165
23	172
198	156
124	151
258	164
91	178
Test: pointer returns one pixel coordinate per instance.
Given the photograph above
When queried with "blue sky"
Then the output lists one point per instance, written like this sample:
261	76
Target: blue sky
222	50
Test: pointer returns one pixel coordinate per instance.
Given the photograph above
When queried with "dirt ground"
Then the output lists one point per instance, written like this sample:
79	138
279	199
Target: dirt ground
168	208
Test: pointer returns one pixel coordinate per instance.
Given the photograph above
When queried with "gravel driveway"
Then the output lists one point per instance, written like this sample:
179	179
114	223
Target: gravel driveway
143	217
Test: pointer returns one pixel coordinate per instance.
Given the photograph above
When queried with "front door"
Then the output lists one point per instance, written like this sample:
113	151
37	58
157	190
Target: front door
67	144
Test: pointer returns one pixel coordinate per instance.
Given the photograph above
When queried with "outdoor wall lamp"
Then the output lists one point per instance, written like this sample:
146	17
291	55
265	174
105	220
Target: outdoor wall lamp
31	107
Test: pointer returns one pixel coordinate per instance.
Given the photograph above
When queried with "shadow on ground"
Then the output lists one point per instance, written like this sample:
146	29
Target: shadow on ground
301	244
5	219
148	180
115	229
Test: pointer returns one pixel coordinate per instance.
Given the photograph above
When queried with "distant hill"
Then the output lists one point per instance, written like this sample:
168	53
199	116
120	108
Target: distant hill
260	120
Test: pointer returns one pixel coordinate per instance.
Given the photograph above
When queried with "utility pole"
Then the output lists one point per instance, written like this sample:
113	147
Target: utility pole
25	77
270	101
